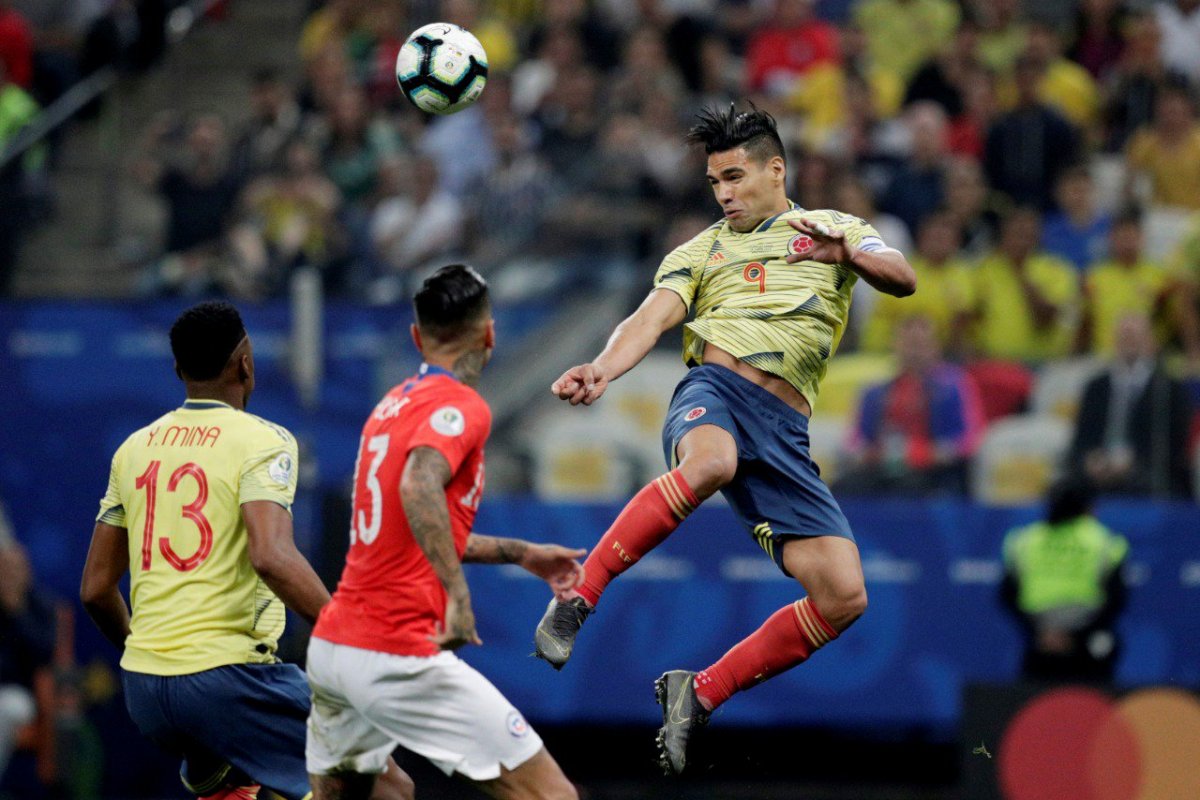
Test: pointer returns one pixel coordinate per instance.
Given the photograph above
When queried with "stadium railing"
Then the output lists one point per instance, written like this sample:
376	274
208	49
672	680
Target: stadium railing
91	88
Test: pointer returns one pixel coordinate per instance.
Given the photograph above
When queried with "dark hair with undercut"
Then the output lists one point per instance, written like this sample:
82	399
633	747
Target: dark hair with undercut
754	130
204	337
450	300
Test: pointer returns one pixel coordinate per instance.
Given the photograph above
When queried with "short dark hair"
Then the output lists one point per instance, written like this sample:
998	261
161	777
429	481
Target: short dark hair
1070	498
449	300
754	130
204	337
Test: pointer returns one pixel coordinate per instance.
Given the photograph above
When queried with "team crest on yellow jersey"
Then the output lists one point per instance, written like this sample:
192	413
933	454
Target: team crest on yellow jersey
800	244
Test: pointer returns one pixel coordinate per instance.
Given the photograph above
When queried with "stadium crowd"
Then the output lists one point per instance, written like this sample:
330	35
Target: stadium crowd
1039	162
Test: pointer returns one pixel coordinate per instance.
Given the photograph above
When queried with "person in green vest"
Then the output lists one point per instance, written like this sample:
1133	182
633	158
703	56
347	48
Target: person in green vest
17	109
1063	580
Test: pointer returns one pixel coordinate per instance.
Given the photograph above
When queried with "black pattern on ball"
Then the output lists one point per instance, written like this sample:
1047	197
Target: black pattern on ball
453	92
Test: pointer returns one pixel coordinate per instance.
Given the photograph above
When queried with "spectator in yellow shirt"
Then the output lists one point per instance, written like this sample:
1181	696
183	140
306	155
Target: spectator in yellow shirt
1026	301
1004	33
947	290
903	34
1066	86
1167	151
1123	284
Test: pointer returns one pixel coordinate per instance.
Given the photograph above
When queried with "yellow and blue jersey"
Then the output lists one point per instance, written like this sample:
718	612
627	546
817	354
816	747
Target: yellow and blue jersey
785	319
177	487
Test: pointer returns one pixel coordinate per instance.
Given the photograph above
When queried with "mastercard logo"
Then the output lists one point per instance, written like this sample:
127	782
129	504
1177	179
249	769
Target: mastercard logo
1081	744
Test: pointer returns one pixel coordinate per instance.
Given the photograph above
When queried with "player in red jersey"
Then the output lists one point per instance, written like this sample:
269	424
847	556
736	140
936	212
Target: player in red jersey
380	661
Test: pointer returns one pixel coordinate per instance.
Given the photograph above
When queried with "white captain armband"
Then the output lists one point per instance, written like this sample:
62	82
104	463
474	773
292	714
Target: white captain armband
873	244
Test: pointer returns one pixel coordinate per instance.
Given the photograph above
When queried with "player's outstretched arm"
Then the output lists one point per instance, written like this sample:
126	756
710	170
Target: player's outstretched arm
282	567
886	270
554	564
107	561
628	345
423	495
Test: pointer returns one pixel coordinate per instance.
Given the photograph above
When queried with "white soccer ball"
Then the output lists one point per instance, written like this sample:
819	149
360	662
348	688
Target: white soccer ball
442	68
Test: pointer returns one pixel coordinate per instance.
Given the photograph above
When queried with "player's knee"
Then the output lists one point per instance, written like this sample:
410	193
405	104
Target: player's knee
843	605
852	604
707	472
856	605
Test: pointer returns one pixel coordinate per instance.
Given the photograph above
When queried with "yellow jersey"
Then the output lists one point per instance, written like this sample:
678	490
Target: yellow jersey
743	296
1174	171
1006	327
946	292
1115	291
177	487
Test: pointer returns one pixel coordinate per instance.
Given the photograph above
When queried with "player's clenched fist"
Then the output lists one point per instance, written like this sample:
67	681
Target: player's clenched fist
582	384
459	629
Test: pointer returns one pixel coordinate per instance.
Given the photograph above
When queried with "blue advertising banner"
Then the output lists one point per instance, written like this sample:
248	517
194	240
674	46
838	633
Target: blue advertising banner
934	623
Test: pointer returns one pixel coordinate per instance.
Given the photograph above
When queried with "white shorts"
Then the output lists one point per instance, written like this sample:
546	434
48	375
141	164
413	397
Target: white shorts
366	702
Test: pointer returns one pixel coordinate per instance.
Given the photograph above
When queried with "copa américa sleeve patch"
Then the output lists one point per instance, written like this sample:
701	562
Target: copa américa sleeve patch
448	421
281	469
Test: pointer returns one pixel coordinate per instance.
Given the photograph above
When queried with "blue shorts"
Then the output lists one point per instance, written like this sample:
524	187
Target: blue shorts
777	492
234	725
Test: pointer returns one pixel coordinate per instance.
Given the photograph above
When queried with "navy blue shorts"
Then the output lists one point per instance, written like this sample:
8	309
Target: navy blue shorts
229	724
777	492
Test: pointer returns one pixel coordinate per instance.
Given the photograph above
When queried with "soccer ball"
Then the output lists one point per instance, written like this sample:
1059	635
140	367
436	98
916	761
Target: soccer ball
442	68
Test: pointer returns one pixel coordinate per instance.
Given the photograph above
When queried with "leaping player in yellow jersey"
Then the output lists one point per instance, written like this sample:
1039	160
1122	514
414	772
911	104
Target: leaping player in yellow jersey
768	292
198	510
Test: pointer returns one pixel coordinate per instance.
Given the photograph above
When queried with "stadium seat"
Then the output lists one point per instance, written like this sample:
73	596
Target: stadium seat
848	377
1058	387
1164	229
1108	177
1004	387
575	457
827	443
1018	459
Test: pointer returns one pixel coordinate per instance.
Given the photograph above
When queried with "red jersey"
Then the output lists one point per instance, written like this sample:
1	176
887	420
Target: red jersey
777	56
389	597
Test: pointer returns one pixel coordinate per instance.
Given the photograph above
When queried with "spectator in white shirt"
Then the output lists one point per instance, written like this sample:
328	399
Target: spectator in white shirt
1179	22
416	224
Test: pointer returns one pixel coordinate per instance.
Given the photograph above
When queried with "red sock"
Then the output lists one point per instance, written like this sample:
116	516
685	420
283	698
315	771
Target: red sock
787	638
249	792
649	518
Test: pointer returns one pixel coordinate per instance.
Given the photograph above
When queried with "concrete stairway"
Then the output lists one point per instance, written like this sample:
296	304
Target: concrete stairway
104	219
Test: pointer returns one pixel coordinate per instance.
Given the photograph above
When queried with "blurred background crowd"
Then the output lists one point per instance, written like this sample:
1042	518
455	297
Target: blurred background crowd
1039	163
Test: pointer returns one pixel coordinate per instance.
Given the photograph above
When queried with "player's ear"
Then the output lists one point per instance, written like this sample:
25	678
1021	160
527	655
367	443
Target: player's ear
489	336
777	167
416	337
178	371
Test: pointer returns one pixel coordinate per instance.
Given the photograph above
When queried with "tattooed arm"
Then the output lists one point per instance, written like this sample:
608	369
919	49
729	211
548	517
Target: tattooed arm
494	550
423	495
552	563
